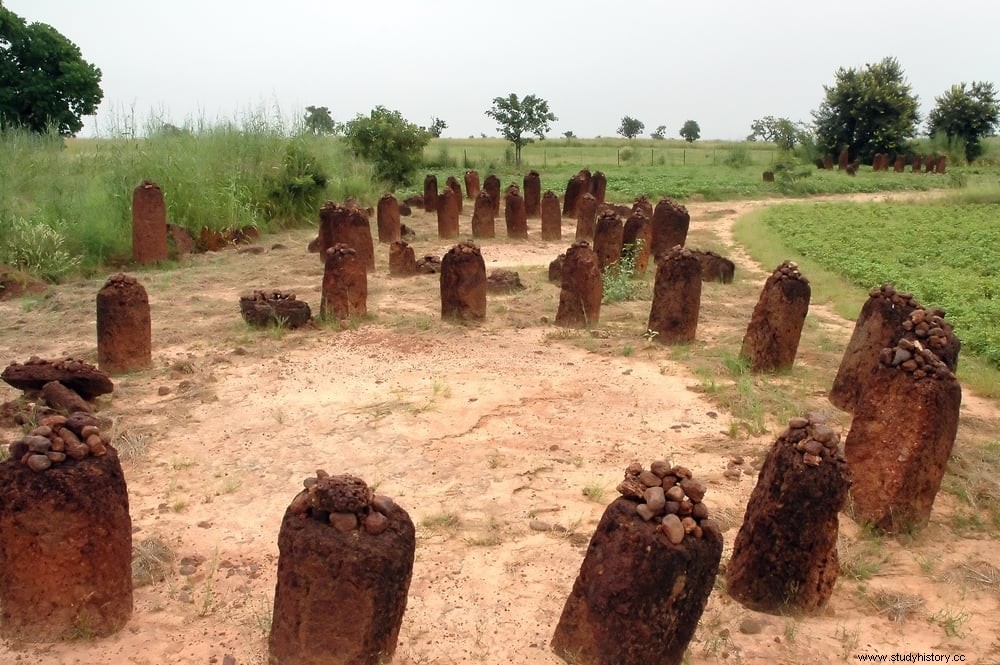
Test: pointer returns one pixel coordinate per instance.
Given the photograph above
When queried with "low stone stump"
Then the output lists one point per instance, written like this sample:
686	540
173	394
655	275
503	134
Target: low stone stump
768	176
345	284
670	224
514	214
453	184
471	184
387	218
941	165
649	569
492	187
586	218
62	399
447	214
124	327
428	264
149	224
532	194
402	260
551	217
916	164
430	193
348	225
77	375
65	534
772	337
502	281
636	240
887	317
673	315
785	554
582	288
575	189
271	308
556	267
715	268
483	221
608	242
599	186
463	283
828	161
901	436
345	559
900	164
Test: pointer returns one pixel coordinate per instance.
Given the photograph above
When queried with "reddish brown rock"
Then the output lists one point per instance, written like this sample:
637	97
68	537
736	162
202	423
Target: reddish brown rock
715	268
930	162
673	315
387	218
608	242
402	260
472	184
941	165
916	164
502	281
642	204
532	194
768	176
901	436
492	187
453	184
430	193
582	288
852	169
575	188
179	241
828	162
15	283
669	224
345	560
149	224
82	377
514	214
551	217
61	398
65	549
599	186
345	284
346	225
124	327
637	237
428	264
463	283
772	337
448	213
785	555
555	268
900	164
483	222
586	218
271	308
843	160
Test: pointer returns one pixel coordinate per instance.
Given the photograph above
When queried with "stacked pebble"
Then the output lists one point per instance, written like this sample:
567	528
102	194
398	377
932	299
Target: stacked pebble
345	502
670	498
817	441
787	270
57	438
926	325
912	357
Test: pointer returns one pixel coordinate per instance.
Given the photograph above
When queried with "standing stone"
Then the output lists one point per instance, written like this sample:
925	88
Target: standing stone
387	218
772	337
715	268
642	203
492	187
916	164
463	283
586	218
532	194
571	201
149	224
471	184
65	536
637	237
646	578
900	164
263	308
483	222
514	214
551	217
785	554
930	162
430	192
673	315
402	260
608	241
844	160
599	186
941	165
347	225
669	226
345	284
453	184
768	176
582	288
447	213
828	162
555	268
124	327
345	559
901	436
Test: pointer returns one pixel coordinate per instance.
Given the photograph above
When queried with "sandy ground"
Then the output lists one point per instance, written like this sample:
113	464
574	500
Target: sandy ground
496	428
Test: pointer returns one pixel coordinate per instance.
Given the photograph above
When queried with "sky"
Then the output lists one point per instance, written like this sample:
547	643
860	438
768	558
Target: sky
720	63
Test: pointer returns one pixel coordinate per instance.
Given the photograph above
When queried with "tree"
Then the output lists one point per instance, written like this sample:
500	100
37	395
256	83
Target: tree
44	80
867	111
319	121
781	131
630	127
392	144
691	132
660	133
966	115
437	126
517	117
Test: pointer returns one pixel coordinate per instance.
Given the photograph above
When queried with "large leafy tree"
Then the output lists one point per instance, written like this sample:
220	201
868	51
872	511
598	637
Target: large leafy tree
518	117
690	131
966	114
867	111
781	131
630	127
391	143
319	121
44	80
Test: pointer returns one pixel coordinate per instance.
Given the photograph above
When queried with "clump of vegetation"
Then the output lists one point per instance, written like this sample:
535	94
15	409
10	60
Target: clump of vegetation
36	247
296	191
391	143
619	278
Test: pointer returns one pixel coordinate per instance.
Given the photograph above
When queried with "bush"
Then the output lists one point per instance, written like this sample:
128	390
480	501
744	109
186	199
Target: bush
619	278
35	247
392	144
297	191
739	156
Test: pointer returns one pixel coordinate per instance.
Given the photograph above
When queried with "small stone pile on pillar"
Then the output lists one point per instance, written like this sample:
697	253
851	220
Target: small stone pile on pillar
772	337
532	194
124	326
345	284
514	213
463	283
673	315
551	217
483	222
387	218
582	288
608	241
149	224
670	224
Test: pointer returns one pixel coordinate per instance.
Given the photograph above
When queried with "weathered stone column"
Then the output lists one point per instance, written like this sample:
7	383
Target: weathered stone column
916	164
532	194
843	160
582	288
430	193
608	241
348	225
514	214
463	283
828	162
772	337
345	284
387	218
65	534
483	222
599	186
551	217
586	218
715	268
453	184
492	187
447	213
900	164
941	165
902	434
673	315
785	555
636	240
670	226
402	260
642	203
555	268
345	559
124	326
149	224
575	188
471	184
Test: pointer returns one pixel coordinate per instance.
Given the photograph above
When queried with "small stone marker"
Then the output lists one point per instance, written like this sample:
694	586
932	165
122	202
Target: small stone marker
647	575
483	221
430	193
916	164
669	226
582	288
492	187
715	268
344	567
843	160
269	308
453	184
345	284
463	283
828	162
515	217
551	217
575	188
599	186
448	213
402	260
768	176
900	164
532	194
586	217
673	315
637	238
785	555
642	203
124	327
471	184
941	165
772	337
149	224
608	241
555	268
387	218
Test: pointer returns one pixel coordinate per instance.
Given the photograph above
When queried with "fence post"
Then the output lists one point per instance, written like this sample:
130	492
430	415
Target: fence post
684	159
619	156
650	156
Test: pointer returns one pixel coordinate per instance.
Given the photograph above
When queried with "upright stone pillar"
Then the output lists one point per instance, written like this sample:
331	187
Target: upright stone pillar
582	288
345	284
828	162
453	184
599	186
586	218
844	160
532	194
492	187
916	164
900	164
673	315
447	213
941	165
514	214
483	223
463	283
471	184
608	241
551	217
149	224
430	193
772	337
402	259
575	188
348	225
642	203
637	239
670	226
124	326
387	218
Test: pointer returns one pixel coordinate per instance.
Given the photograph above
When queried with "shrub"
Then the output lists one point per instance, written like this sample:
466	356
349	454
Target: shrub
295	193
392	144
35	247
619	278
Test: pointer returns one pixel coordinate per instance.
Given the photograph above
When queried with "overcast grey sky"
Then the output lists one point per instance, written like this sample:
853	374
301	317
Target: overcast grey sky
721	63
